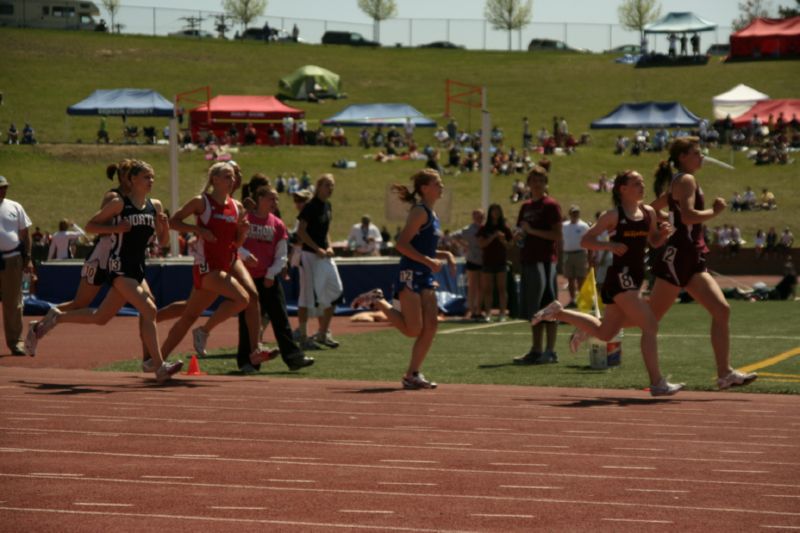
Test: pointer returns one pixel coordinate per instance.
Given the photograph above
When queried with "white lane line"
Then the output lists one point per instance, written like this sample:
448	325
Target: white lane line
555	418
671	434
167	477
756	411
98	434
636	520
288	458
740	451
782	495
762	436
409	484
586	431
12	450
232	508
60	474
195	455
640	449
543	446
487	515
518	464
743	471
365	511
615	467
449	444
537	487
778	527
350	441
492	429
103	504
291	480
108	419
25	419
406	461
659	490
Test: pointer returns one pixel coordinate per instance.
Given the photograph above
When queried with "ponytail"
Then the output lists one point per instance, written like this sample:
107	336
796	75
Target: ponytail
663	176
420	179
111	171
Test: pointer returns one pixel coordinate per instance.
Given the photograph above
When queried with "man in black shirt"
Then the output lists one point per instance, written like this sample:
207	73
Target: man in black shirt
320	284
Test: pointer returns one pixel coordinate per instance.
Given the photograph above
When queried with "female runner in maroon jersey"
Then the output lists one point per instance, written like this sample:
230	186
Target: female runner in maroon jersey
682	264
632	226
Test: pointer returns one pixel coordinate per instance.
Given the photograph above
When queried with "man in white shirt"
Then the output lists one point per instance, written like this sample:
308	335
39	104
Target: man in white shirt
576	259
15	260
365	238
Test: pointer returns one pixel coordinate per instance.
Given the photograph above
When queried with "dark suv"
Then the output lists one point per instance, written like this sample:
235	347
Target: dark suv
347	37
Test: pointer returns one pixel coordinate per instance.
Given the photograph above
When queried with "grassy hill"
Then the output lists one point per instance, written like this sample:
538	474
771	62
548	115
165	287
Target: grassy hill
45	71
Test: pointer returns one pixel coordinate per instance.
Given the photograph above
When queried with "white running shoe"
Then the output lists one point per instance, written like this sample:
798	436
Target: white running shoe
200	339
31	339
48	322
167	370
577	338
262	356
367	299
736	379
417	381
548	314
665	388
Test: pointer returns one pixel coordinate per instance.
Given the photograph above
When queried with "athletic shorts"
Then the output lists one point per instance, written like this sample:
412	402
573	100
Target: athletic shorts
538	287
617	282
415	280
469	265
678	265
496	269
95	268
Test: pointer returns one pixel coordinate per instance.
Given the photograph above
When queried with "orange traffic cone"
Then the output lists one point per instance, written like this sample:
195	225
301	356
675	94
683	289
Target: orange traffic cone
194	368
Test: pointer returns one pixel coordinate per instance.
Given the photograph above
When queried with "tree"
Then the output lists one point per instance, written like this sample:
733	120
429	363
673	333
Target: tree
112	6
378	10
634	15
509	15
787	12
751	10
244	11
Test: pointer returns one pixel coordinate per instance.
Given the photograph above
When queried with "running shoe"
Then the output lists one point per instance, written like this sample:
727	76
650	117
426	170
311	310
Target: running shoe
167	370
31	339
298	362
248	369
48	322
309	344
736	379
148	365
417	381
502	318
200	339
577	338
665	388
548	314
367	299
262	356
325	339
529	358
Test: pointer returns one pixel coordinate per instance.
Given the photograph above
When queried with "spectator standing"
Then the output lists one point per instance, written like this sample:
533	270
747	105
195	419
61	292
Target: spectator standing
786	242
684	42
62	240
538	230
494	238
759	242
695	44
527	136
771	241
320	284
102	131
468	236
673	40
365	238
15	263
576	258
295	33
409	131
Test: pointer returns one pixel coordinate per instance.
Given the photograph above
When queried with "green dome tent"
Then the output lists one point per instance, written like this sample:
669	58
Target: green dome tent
310	81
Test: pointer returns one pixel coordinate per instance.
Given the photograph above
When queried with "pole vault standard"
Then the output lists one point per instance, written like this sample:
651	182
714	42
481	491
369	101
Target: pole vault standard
464	94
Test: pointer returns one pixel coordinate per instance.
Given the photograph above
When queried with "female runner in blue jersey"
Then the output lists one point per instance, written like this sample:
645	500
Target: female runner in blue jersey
420	260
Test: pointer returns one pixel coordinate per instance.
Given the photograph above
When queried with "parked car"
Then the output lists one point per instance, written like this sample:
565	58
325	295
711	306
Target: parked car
193	33
722	49
441	44
553	45
275	35
347	37
625	49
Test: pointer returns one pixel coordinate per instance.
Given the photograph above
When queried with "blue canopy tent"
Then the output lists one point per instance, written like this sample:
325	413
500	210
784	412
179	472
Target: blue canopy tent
379	115
124	102
138	102
647	115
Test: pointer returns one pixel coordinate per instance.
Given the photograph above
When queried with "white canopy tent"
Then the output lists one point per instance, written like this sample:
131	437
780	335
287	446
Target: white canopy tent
736	101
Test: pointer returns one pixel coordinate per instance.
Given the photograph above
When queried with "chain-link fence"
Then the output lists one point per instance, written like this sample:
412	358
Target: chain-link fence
471	33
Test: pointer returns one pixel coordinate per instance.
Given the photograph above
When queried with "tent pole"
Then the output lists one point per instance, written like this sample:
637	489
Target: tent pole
486	124
173	177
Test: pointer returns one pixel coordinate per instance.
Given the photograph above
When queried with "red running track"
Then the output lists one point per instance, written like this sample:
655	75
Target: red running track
87	451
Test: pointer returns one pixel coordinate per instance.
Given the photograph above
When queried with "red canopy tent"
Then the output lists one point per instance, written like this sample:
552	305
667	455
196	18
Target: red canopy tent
767	38
265	113
788	106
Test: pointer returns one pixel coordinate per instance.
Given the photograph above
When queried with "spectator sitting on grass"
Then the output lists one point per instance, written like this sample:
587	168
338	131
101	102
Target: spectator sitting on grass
736	201
749	199
28	136
767	200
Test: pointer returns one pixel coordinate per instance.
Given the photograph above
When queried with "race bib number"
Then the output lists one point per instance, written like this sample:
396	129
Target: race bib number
669	254
626	281
89	269
203	268
114	264
407	278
